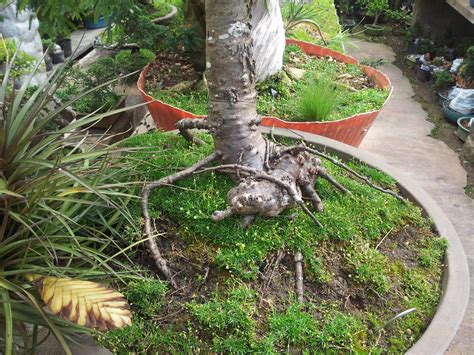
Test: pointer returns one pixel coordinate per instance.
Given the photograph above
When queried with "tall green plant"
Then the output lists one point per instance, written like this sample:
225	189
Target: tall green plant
318	100
63	208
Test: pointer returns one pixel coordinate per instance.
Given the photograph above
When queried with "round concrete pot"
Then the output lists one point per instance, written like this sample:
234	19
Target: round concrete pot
455	283
350	130
374	30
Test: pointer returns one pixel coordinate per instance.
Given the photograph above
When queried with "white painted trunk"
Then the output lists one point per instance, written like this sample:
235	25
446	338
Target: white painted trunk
268	35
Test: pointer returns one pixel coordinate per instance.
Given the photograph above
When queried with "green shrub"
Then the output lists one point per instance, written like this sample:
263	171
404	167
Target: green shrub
23	64
468	68
442	80
318	100
77	81
127	62
374	8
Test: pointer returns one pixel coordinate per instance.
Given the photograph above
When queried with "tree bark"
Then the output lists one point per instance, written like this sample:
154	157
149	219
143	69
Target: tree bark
231	75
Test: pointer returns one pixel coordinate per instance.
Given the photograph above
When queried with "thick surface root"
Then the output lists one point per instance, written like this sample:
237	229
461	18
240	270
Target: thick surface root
169	180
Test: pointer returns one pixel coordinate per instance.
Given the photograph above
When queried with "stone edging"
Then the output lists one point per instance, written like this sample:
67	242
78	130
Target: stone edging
447	319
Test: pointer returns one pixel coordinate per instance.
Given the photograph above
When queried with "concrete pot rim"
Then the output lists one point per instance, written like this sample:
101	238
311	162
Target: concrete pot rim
455	284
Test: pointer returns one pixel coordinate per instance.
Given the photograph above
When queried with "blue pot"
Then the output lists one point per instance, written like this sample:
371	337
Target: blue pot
472	3
452	115
91	25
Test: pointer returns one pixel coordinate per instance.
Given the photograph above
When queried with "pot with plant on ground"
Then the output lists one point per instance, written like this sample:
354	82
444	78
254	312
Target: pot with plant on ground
167	108
465	124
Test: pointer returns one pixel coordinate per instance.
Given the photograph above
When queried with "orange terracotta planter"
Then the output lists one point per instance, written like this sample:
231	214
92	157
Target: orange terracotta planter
350	130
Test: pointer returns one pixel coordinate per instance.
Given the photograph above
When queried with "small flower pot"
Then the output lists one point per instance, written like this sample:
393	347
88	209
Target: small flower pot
423	75
57	57
348	24
48	62
463	132
92	25
442	97
374	30
66	46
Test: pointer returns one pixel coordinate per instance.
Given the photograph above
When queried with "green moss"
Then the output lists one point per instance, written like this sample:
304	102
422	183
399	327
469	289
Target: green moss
233	314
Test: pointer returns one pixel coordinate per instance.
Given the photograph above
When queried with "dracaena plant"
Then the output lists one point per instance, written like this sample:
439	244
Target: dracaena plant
63	212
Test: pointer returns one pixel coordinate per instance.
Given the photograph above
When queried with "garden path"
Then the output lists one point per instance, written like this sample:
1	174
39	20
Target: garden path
401	135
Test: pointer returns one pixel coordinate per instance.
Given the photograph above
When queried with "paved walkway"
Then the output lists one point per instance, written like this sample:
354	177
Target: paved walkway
401	136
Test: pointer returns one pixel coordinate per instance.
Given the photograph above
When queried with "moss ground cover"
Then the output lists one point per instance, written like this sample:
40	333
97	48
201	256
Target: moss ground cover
374	258
282	95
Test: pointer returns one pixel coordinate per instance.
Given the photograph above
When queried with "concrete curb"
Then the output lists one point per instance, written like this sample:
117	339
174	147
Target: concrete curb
447	319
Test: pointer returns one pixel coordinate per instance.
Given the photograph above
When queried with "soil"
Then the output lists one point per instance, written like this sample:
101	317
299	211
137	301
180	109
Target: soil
170	69
443	130
199	279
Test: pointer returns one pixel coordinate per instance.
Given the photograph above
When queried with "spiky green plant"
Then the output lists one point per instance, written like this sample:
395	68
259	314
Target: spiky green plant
63	208
318	100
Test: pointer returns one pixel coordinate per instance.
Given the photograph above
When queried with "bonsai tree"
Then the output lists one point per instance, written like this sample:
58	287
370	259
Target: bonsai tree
374	8
272	177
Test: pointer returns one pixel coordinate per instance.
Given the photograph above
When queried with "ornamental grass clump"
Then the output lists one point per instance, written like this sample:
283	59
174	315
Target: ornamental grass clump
63	217
318	100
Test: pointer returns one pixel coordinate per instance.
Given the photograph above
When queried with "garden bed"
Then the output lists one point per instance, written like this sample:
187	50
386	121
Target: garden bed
359	93
374	258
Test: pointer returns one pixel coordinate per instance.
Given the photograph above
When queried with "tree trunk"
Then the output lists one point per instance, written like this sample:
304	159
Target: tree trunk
268	34
231	79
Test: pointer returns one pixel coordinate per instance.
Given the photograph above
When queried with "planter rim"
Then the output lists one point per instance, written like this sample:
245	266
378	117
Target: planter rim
388	87
167	17
461	126
455	281
374	27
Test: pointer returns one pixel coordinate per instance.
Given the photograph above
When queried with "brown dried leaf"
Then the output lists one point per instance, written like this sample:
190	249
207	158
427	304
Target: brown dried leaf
85	303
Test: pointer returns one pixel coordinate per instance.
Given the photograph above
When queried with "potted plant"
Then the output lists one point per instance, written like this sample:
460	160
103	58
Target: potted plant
374	8
100	101
401	19
443	80
350	130
466	73
23	62
464	127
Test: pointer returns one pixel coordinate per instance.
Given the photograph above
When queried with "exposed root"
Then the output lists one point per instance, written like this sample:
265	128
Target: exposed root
271	268
366	180
151	242
256	204
186	124
299	276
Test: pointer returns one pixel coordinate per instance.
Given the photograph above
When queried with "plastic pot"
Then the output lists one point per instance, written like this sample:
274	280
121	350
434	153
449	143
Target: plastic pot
57	56
91	24
348	24
374	30
463	132
350	130
423	75
442	97
48	62
452	115
66	46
